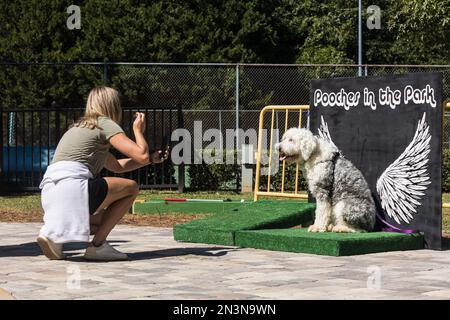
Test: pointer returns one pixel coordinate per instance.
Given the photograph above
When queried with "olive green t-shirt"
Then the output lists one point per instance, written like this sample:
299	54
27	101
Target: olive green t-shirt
88	146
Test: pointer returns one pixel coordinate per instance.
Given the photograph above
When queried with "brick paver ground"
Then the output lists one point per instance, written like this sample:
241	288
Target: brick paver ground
161	268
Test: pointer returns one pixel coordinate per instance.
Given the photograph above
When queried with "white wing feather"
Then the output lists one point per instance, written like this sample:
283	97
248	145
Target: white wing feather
402	185
324	133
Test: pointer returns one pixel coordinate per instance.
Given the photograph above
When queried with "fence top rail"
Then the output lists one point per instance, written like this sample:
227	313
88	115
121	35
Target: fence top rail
220	110
172	109
168	64
218	64
270	107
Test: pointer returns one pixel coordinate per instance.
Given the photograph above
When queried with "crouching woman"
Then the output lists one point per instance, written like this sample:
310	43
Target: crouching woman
76	201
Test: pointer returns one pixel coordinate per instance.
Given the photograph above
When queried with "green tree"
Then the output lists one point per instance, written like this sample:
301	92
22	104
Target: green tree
254	31
421	31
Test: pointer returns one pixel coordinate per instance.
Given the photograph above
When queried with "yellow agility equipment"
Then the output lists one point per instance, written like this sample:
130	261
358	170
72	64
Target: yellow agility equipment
259	152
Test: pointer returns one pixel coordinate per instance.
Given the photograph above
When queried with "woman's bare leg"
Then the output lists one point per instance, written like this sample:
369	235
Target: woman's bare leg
120	197
95	220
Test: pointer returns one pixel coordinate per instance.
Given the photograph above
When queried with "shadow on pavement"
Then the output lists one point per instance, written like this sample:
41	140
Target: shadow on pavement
165	253
174	252
31	249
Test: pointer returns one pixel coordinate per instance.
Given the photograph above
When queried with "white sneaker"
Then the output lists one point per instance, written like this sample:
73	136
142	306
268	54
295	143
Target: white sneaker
53	251
104	253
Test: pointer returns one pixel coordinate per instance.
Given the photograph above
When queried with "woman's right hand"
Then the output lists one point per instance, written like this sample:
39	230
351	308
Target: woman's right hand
139	122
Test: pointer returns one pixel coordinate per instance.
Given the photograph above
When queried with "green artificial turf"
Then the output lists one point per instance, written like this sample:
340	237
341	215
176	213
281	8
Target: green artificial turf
161	206
220	228
332	244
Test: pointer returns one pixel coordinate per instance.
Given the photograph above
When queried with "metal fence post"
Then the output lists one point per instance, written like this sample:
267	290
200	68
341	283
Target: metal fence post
236	155
1	142
220	129
181	166
57	126
105	74
237	107
360	42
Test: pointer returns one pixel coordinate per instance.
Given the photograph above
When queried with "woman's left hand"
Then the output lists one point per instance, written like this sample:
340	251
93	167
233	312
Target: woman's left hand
159	156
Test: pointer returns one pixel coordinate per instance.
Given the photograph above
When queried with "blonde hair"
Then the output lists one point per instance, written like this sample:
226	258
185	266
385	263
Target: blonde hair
102	101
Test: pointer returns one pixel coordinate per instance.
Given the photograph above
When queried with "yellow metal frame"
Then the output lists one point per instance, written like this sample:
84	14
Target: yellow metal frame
258	154
282	193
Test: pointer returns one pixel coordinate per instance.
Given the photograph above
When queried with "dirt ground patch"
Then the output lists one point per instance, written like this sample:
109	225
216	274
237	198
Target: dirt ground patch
18	216
165	220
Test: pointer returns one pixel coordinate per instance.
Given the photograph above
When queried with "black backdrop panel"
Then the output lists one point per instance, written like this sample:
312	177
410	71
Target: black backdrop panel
372	120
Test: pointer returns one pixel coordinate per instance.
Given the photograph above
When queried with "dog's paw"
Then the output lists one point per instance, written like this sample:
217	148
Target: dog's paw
314	228
330	227
342	228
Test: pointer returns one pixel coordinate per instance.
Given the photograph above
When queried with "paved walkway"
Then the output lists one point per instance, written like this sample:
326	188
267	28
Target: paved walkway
161	268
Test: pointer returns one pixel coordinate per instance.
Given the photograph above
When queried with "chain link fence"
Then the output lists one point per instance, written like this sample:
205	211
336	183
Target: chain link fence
221	96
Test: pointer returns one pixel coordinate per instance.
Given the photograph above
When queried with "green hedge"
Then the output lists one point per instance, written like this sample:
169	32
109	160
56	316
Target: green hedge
221	176
216	176
213	177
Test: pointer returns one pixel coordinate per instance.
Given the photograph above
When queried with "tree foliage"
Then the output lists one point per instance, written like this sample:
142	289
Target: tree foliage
253	31
236	31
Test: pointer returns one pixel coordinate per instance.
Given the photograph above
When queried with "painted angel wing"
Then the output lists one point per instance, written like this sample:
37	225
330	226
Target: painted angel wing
324	133
402	185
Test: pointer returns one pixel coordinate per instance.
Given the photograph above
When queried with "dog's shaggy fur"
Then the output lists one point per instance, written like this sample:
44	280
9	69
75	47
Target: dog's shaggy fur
344	200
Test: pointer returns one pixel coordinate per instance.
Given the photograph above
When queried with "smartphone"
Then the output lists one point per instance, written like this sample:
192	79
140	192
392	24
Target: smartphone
165	144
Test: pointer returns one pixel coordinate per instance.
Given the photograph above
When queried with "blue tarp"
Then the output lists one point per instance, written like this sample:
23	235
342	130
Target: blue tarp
46	156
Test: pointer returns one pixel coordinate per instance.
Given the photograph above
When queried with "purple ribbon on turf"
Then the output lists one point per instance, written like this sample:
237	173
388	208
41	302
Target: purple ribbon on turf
391	228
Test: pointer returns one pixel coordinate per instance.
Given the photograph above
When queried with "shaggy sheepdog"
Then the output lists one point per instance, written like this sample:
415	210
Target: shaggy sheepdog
344	200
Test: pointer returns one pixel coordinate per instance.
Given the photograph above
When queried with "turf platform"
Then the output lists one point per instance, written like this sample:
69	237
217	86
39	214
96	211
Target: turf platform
161	206
331	244
269	225
221	227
